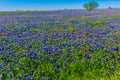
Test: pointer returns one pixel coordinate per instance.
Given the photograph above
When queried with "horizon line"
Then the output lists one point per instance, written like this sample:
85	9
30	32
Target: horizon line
53	9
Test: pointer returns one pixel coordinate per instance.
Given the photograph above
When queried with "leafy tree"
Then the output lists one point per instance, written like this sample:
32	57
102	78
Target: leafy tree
109	7
90	5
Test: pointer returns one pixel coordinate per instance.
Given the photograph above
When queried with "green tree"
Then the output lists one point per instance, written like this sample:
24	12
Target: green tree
90	5
109	7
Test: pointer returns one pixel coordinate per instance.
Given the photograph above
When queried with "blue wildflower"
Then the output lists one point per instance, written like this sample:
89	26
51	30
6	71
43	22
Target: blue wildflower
47	58
52	61
31	54
88	41
119	60
43	78
119	54
0	66
115	48
56	69
21	78
43	73
50	79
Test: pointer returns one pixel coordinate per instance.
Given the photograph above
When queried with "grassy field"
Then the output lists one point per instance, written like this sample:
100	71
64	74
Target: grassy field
60	45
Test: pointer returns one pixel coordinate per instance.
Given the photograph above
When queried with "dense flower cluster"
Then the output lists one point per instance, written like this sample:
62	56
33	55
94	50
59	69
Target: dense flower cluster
58	44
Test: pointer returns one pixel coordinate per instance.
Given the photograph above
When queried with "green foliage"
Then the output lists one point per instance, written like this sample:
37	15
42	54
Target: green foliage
97	23
109	7
91	5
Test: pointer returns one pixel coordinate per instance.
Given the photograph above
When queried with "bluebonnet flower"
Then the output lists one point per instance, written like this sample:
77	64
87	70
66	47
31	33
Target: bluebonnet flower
35	66
68	44
87	63
115	48
56	70
52	48
46	49
0	66
28	76
105	60
52	61
43	78
32	53
50	79
65	63
88	41
119	54
13	55
110	53
119	60
64	44
87	56
95	46
38	57
77	43
59	53
1	48
21	78
43	73
25	71
47	58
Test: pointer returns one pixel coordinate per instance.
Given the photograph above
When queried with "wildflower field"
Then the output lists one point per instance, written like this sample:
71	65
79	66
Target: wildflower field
60	45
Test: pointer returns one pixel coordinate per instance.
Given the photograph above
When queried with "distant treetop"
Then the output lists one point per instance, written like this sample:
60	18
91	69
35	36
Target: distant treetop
109	7
90	5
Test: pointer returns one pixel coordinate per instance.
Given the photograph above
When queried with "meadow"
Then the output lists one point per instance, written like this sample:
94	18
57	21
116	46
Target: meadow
60	45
